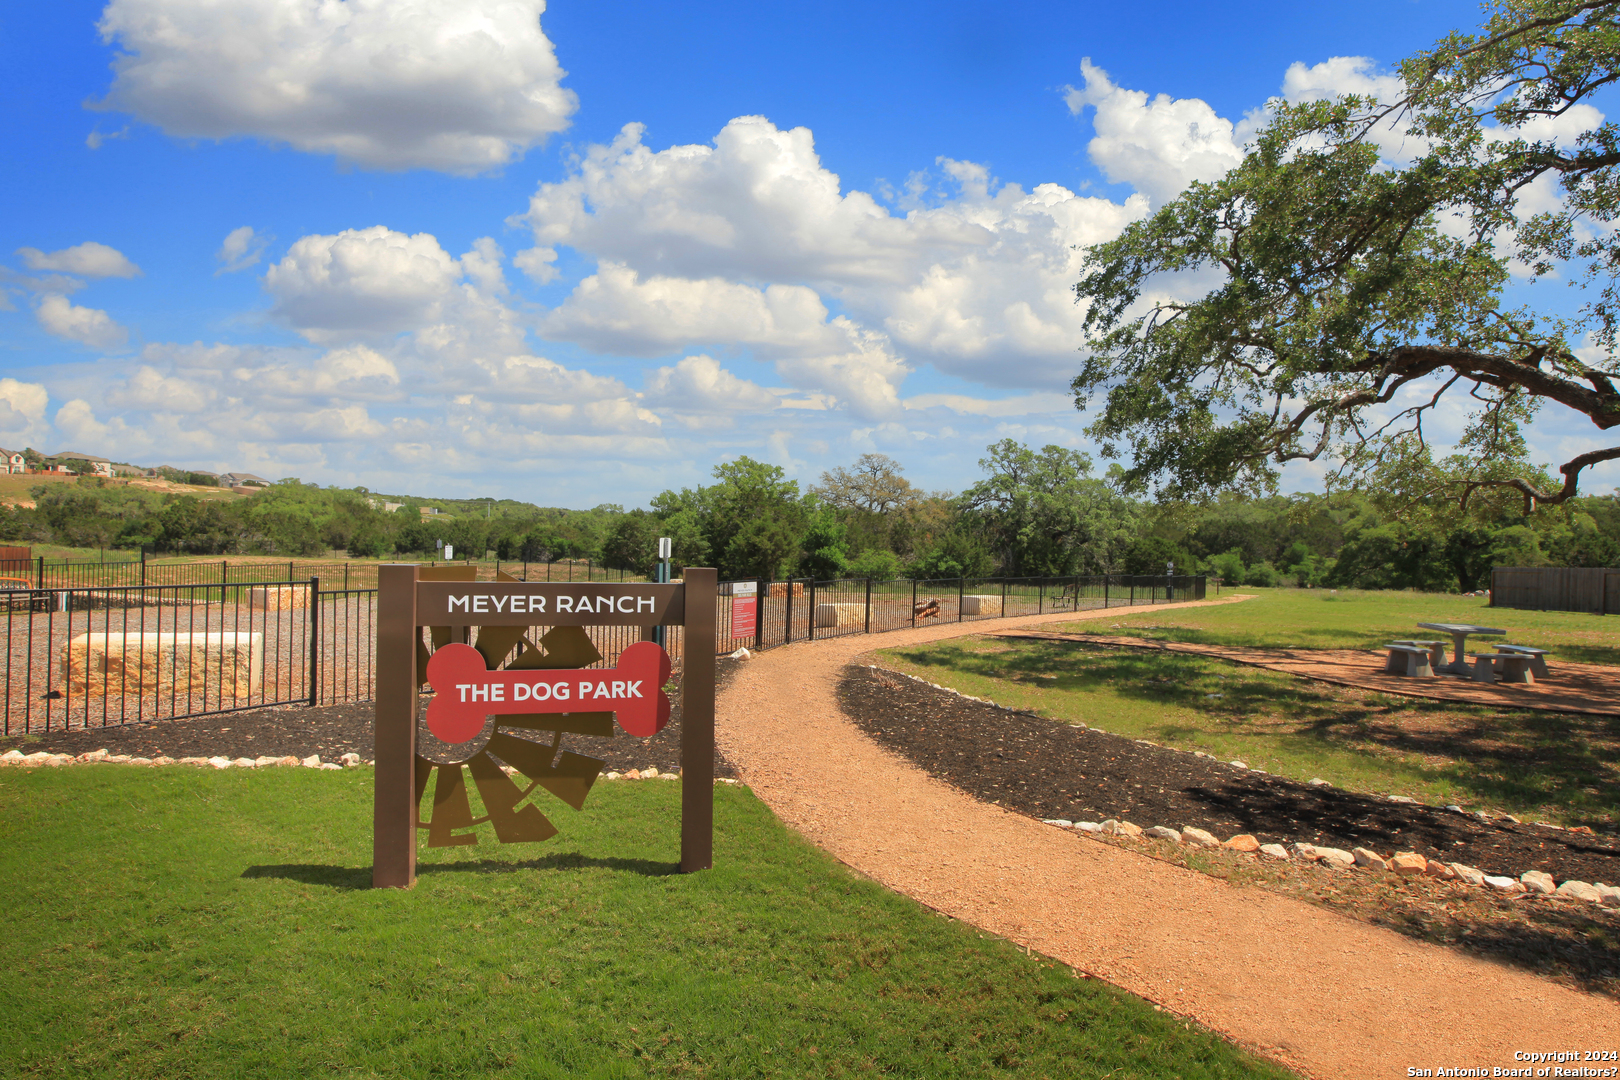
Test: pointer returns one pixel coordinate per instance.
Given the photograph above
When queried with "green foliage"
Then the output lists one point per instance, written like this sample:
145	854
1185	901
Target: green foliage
1346	285
825	546
186	922
959	553
1044	515
875	564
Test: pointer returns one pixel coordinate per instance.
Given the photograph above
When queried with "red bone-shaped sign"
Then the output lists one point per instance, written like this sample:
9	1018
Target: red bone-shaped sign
465	691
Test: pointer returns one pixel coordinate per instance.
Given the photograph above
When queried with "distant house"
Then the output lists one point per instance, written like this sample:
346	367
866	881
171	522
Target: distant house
99	466
242	479
12	461
430	511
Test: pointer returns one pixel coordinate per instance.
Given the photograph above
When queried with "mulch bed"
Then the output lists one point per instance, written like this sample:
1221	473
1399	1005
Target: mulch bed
1048	769
330	731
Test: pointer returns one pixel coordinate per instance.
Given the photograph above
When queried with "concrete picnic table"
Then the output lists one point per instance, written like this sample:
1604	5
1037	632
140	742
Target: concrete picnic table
1459	633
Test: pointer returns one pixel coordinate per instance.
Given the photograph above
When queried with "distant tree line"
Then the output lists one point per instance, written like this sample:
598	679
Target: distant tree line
1031	513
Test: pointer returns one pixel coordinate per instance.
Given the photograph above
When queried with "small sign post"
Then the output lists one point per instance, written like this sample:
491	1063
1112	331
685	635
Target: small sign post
744	607
412	598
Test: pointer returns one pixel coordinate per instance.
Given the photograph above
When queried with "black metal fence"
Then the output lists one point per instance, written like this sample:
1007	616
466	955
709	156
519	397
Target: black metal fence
806	610
39	573
99	655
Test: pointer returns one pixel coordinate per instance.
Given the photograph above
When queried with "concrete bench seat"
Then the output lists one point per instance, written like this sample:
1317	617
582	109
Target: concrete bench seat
1410	660
1510	667
1538	657
1437	650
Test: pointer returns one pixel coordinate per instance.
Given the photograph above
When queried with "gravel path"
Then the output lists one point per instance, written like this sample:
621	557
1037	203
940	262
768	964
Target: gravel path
1322	993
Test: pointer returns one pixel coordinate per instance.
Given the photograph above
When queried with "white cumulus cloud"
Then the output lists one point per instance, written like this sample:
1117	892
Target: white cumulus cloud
371	280
89	259
88	326
22	411
456	85
241	249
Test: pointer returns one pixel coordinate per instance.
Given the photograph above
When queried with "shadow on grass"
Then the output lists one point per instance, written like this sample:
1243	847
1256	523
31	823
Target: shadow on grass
1520	757
349	878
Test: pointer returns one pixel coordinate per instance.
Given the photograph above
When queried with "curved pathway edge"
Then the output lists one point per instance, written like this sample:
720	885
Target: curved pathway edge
1321	993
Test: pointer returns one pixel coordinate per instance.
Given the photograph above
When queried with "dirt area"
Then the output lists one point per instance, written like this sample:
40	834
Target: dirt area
15	489
1049	769
1571	688
1324	993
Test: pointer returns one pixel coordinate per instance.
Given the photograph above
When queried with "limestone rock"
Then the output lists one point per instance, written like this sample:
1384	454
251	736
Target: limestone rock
1274	851
163	759
1538	882
1506	884
287	762
1243	842
1468	874
266	759
1440	870
848	616
227	665
1238	764
974	604
244	763
278	597
117	759
742	654
1128	830
1579	890
669	776
220	762
1198	837
1408	864
331	767
1062	823
1304	851
632	774
1317	781
349	760
36	759
94	755
140	761
312	762
613	776
1404	800
1608	895
194	761
1088	826
11	757
1369	859
1336	857
1160	832
650	772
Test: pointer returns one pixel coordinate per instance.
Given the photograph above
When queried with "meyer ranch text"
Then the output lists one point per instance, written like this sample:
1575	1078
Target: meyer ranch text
455	603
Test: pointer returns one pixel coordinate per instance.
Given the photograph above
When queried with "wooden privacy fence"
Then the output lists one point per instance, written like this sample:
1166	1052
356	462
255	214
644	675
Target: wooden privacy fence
1557	588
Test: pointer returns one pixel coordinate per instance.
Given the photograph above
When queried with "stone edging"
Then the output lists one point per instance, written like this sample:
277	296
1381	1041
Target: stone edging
347	761
1403	863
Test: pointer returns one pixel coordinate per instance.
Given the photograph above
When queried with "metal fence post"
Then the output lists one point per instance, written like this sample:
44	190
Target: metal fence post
868	629
697	720
961	587
40	584
314	641
762	590
810	607
914	603
1003	598
1077	593
787	621
143	566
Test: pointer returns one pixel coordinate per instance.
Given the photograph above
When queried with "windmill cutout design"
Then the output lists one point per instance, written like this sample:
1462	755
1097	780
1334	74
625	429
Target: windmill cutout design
504	663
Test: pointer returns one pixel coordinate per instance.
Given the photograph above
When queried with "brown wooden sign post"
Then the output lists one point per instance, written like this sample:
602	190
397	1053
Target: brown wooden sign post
411	598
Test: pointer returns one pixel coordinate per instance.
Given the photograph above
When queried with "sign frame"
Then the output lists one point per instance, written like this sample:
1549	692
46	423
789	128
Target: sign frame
406	603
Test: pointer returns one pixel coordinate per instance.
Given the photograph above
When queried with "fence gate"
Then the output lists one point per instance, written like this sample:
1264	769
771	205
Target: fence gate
487	656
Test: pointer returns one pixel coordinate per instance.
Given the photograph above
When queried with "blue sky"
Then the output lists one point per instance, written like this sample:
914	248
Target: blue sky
579	252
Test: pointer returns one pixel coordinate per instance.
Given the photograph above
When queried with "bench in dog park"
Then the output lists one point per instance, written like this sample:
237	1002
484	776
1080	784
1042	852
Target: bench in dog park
1538	657
1506	666
1408	659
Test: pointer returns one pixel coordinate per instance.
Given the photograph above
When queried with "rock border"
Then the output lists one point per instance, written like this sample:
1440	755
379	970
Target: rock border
1403	863
17	759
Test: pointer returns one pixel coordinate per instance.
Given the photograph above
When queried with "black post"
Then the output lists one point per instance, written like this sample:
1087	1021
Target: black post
40	584
914	603
143	565
762	590
314	640
868	605
1040	596
1077	593
961	587
1003	598
812	606
787	623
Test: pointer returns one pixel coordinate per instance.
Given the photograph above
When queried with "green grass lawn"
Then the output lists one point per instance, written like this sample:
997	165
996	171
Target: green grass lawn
187	923
1535	765
1352	619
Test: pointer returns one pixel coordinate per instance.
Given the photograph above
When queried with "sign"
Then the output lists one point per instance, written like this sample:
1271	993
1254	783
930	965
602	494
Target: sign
449	552
466	692
556	603
744	607
665	547
516	654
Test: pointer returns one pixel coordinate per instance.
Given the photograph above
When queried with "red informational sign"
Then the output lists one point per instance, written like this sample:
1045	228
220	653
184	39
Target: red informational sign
465	692
744	605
